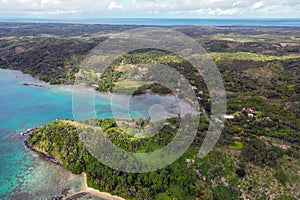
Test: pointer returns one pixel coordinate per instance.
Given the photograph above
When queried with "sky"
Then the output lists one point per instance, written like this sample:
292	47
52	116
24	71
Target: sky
77	9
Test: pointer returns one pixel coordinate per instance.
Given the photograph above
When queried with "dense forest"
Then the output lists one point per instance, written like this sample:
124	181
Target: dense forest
238	162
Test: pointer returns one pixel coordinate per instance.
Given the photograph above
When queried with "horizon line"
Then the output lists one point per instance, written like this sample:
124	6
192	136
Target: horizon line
187	18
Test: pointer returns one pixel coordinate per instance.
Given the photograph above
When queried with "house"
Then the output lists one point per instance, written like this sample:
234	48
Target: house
250	115
190	161
250	110
228	117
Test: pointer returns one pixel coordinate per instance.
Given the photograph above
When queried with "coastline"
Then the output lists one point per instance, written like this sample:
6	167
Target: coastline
97	193
44	154
85	188
78	89
71	87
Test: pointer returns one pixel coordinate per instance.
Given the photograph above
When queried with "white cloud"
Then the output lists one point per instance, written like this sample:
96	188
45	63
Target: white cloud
228	11
218	11
30	2
257	5
215	1
150	8
237	3
113	5
47	2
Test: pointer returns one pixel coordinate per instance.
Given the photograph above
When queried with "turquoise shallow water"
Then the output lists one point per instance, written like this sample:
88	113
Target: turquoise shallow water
23	174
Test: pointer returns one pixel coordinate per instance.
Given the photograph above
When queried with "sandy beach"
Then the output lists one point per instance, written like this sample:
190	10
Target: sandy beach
97	193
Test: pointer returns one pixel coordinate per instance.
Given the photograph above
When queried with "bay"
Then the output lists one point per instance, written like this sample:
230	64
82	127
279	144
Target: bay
24	174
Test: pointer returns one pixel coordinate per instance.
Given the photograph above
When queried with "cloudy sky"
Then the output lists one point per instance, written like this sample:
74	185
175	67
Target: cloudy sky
68	9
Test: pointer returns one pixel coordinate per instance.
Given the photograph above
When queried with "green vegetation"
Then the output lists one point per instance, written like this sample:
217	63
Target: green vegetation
257	152
237	145
51	59
223	174
163	196
257	155
281	177
252	56
61	140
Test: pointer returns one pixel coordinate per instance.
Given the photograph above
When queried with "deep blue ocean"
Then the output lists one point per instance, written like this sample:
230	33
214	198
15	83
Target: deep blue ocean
168	21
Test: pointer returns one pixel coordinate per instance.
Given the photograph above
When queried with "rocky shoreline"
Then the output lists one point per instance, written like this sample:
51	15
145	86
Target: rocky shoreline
45	155
74	197
85	191
65	192
27	132
32	84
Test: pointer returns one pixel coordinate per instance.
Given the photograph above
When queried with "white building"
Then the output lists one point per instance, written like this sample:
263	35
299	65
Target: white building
228	117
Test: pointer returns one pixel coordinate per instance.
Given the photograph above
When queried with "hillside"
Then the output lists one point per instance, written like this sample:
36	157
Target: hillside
243	164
